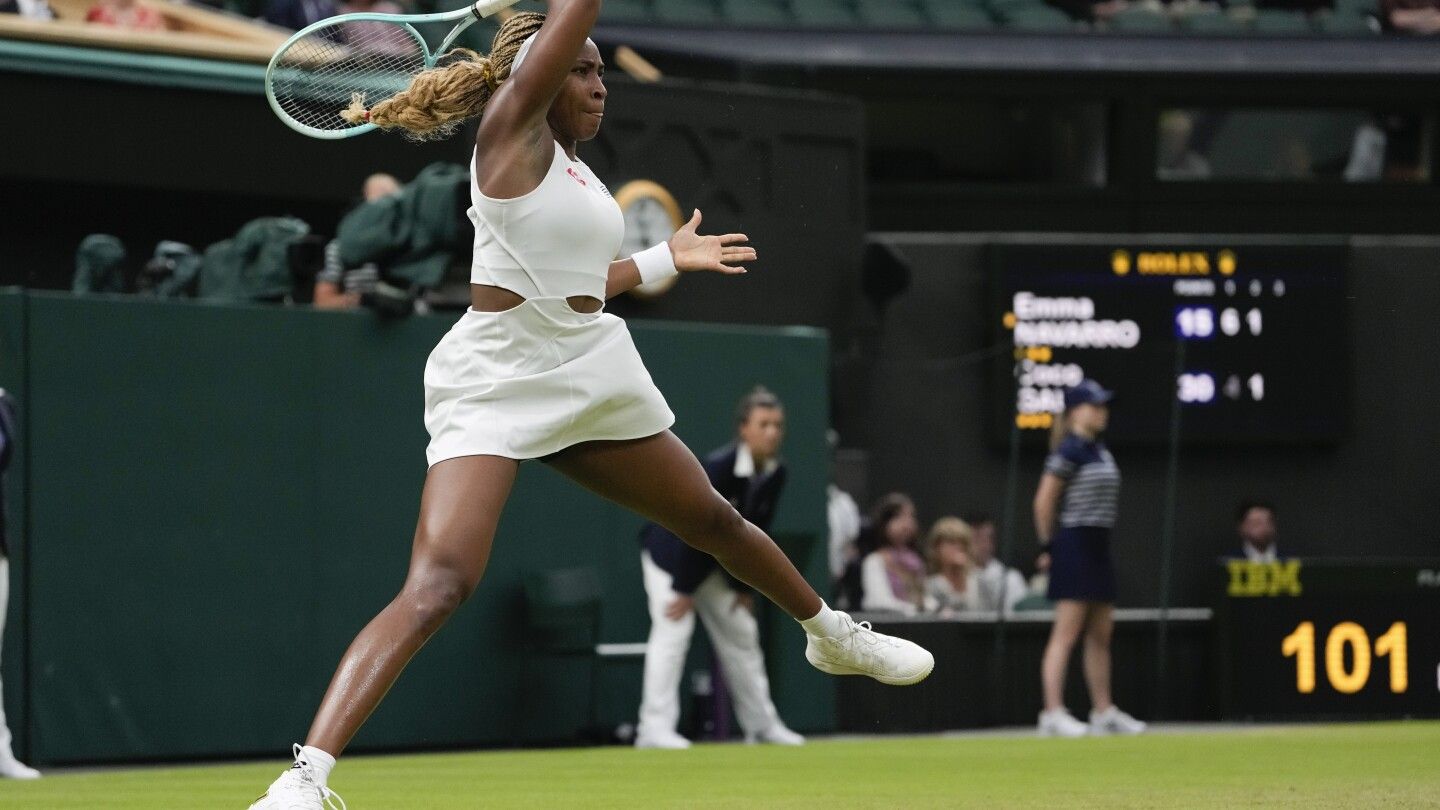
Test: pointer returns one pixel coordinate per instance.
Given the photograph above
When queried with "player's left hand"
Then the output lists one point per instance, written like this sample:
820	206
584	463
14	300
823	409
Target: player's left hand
719	254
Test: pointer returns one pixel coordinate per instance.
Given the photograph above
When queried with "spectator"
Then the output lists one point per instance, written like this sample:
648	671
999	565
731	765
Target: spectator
892	577
10	767
953	585
29	9
1091	10
1255	523
1176	158
377	37
682	582
296	14
1411	16
126	14
999	584
341	287
843	517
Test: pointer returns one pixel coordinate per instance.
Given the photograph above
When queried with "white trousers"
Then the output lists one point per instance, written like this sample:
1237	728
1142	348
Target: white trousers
5	750
735	636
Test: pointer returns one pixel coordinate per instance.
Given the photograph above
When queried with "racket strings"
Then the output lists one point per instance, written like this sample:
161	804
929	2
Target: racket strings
316	77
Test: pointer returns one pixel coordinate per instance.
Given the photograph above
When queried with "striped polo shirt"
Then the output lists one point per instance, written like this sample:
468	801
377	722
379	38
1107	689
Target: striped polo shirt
1092	479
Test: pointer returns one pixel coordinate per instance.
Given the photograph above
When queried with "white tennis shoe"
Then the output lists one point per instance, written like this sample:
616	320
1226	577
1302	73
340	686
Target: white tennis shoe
859	650
298	789
1114	721
778	734
1061	723
665	741
12	768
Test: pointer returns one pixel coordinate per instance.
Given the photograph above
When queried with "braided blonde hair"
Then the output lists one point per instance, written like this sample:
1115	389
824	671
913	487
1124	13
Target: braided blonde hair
439	100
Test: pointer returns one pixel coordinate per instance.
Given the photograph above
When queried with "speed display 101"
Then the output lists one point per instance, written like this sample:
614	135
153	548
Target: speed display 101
1262	322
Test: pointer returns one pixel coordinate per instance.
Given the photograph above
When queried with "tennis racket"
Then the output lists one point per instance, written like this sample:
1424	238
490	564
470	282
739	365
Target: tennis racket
313	76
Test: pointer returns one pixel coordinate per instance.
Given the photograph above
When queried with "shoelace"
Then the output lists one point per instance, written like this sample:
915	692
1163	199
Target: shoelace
867	633
331	799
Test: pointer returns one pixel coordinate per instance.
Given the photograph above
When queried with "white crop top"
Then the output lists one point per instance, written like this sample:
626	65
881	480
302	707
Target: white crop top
556	241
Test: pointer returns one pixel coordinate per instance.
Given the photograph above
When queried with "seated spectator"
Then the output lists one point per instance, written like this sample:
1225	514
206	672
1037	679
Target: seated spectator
1411	16
999	584
893	575
953	585
377	36
843	518
338	286
126	14
1176	159
296	14
29	9
1255	523
1091	10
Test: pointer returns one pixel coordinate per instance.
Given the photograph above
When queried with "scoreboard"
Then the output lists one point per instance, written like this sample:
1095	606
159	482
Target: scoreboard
1262	320
1314	638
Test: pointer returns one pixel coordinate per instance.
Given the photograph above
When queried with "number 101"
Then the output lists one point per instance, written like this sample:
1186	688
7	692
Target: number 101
1301	644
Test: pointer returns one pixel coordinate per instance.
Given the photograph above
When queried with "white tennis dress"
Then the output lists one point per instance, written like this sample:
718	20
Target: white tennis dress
539	377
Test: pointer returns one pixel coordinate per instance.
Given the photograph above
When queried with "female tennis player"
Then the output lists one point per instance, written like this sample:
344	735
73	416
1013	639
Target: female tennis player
1075	508
535	369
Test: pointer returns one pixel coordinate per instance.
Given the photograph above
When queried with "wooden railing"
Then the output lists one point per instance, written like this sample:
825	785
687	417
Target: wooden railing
191	31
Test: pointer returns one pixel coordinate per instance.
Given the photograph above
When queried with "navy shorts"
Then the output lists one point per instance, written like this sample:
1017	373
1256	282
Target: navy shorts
1080	565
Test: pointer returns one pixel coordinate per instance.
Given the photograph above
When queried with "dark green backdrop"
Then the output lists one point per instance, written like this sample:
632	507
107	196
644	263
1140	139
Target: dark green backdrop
219	497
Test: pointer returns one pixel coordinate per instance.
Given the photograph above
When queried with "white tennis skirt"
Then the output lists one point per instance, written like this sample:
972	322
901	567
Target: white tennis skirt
535	379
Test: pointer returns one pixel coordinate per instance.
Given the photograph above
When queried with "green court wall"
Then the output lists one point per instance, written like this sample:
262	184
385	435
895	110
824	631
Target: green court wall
219	497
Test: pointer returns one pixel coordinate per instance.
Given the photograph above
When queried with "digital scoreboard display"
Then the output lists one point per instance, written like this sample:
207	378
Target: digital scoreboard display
1317	638
1263	323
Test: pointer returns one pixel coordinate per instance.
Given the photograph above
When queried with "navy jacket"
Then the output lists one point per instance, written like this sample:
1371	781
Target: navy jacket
9	434
690	567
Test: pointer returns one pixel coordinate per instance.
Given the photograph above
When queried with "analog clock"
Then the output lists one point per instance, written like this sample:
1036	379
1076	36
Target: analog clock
651	216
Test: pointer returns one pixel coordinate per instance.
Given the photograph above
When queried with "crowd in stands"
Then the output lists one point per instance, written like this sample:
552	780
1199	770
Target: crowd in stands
883	563
1279	17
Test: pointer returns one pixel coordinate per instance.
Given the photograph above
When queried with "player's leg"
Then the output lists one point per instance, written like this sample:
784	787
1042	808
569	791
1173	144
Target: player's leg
1099	628
665	652
1069	621
1105	716
459	509
660	479
735	637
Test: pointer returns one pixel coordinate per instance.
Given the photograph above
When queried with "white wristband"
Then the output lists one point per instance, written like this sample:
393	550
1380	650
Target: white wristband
655	263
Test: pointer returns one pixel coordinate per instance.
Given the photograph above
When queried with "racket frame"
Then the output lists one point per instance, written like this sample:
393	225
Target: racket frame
468	17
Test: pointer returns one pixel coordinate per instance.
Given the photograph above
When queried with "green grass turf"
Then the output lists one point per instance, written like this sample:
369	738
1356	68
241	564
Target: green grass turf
1387	765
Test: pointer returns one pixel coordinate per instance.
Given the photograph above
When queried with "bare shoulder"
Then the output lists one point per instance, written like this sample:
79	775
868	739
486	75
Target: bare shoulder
509	161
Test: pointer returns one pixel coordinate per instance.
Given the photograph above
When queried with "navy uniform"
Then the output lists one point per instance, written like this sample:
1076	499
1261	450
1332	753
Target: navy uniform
1081	567
10	767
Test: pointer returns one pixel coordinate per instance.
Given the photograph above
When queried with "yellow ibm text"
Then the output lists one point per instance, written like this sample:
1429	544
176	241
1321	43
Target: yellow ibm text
1347	680
1264	579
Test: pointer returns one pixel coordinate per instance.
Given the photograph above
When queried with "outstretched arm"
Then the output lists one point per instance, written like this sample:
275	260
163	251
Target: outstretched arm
690	252
530	90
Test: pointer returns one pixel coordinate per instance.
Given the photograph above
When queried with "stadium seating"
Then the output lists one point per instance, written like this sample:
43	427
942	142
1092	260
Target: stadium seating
1142	19
891	14
756	12
1211	22
1350	17
958	15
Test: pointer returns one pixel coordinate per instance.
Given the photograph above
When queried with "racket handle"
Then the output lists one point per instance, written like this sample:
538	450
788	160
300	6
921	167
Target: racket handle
484	8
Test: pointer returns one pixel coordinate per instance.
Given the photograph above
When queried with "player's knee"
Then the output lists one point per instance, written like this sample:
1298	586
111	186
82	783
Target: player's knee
431	603
714	526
